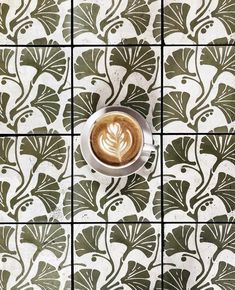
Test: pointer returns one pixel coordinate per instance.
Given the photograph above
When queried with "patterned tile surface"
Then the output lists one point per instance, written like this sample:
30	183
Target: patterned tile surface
169	226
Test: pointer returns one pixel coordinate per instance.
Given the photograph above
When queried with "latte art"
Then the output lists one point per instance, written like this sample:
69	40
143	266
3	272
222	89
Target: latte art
116	138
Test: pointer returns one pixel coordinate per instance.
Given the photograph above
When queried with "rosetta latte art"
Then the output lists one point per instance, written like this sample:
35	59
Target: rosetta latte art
116	141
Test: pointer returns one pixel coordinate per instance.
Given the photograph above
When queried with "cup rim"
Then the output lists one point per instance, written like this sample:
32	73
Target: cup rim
109	170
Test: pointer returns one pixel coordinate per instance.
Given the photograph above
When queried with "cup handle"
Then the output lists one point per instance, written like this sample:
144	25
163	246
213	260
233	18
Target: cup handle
150	147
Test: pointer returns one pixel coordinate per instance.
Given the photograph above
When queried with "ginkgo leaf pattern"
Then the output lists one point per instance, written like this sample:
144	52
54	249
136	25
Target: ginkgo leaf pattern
170	225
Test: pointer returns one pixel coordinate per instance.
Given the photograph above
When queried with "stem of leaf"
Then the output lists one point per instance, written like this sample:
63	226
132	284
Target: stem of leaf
107	20
198	252
191	256
61	265
111	101
198	108
198	163
107	72
151	88
100	79
151	175
15	21
197	20
61	177
18	252
61	88
108	252
18	163
108	196
151	265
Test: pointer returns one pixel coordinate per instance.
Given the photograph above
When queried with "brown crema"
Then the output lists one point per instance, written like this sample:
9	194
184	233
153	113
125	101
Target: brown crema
116	138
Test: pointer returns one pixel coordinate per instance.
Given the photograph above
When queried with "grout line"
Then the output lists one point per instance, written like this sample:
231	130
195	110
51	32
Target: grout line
161	145
72	150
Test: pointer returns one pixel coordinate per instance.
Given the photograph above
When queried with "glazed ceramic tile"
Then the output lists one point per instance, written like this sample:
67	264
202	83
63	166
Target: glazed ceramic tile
198	22
199	180
117	256
116	22
127	76
208	247
35	88
198	89
35	177
35	256
21	22
101	198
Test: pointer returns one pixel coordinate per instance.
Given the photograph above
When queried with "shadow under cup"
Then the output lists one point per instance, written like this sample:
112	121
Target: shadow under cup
113	141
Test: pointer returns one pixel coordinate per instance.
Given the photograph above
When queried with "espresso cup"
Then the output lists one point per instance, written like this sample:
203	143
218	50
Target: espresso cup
116	141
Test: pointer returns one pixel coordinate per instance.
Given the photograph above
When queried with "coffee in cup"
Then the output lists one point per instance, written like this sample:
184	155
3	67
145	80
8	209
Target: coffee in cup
116	138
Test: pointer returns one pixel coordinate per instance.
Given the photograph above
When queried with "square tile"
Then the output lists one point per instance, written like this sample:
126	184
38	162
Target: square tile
101	198
199	180
199	22
35	88
36	256
128	76
208	249
199	89
24	21
114	22
121	255
35	177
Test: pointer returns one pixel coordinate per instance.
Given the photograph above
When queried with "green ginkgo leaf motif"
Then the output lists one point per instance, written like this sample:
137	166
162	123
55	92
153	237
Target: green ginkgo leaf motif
87	64
175	192
174	279
5	236
86	279
138	13
67	205
47	190
178	63
50	59
85	18
67	116
222	147
5	57
79	160
47	102
157	24
85	193
4	277
137	277
4	188
67	27
4	98
139	59
137	99
45	148
221	57
175	18
138	235
47	12
178	152
225	276
45	236
225	190
225	101
225	13
47	277
174	109
85	104
157	205
88	241
5	147
136	189
221	235
4	8
178	240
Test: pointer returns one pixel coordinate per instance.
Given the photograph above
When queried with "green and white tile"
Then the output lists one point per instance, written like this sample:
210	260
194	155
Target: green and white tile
199	89
199	180
116	22
21	22
199	256
35	88
119	256
128	76
100	198
35	177
35	256
198	22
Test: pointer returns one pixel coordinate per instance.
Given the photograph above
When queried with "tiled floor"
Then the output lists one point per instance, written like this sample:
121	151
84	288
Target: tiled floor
169	226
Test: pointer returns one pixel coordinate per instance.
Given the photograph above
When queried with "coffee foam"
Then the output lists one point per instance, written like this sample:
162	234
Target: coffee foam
116	138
